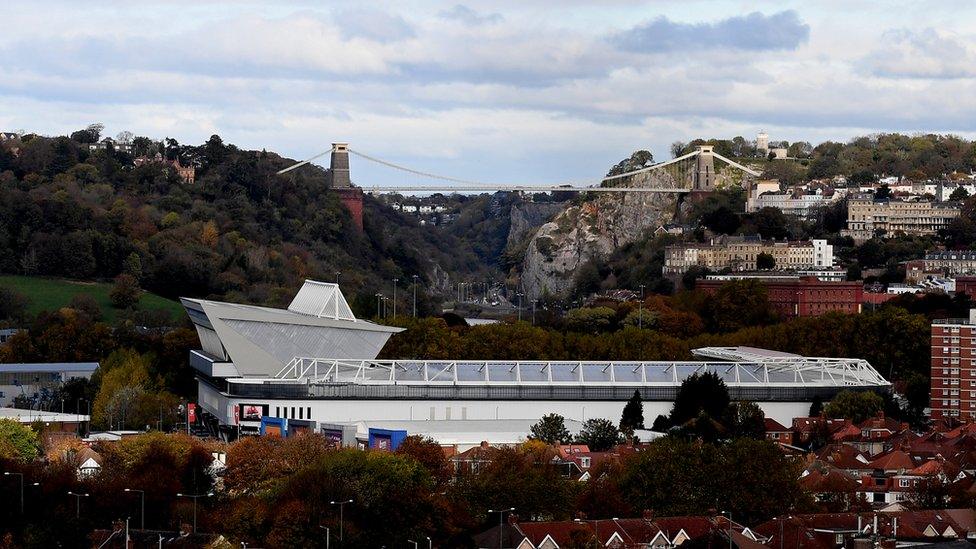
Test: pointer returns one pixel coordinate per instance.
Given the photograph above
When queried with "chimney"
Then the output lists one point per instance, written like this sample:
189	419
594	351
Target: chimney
484	444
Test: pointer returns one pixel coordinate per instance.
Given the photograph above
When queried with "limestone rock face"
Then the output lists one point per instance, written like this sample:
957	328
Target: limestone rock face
529	216
593	229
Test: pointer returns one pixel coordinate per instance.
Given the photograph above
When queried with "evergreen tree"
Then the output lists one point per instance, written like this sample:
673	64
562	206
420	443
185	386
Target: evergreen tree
633	415
700	393
598	434
816	407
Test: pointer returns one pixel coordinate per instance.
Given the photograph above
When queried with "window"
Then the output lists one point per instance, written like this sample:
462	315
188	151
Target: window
308	412
277	411
904	483
293	412
301	413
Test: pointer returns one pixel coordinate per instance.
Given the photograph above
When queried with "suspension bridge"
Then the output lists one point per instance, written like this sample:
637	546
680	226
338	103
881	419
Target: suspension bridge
694	171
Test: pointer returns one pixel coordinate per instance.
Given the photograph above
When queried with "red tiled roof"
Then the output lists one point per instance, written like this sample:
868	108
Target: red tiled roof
773	426
895	460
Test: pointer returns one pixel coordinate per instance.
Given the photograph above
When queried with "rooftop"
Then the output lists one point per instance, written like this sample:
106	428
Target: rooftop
48	367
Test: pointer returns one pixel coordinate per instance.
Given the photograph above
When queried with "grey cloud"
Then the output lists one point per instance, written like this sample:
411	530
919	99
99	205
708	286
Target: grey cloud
925	54
375	25
466	15
753	32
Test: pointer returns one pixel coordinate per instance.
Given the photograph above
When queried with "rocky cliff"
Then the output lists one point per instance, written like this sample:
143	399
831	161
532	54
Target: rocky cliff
593	229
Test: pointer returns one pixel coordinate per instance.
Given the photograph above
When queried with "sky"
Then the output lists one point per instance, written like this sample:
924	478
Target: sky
507	91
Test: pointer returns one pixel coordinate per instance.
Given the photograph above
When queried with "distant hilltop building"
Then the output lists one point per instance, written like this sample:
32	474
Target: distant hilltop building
762	142
867	217
8	136
740	254
104	144
187	173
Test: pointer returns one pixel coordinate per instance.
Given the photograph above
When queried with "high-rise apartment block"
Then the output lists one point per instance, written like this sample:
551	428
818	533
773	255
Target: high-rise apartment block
953	393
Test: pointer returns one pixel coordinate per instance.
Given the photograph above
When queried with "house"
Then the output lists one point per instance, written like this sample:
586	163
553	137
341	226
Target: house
830	485
89	463
777	432
646	532
187	174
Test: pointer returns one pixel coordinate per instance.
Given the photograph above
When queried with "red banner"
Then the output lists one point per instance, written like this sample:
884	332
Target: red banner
191	412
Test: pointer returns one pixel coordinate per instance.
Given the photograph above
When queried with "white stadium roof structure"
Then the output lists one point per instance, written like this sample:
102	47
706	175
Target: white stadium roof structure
316	351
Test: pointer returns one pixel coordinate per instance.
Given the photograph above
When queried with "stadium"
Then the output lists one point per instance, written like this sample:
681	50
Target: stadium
314	363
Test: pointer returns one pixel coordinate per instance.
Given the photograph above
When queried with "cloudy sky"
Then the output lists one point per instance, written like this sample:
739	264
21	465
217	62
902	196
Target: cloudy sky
493	91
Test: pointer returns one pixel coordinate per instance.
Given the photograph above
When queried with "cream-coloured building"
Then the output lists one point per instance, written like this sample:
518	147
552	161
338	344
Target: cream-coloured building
740	254
866	217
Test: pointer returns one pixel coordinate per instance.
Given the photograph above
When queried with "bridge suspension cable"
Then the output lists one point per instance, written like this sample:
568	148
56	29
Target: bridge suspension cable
580	185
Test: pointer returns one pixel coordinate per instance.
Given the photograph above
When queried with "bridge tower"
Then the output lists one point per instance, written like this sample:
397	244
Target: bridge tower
704	169
339	181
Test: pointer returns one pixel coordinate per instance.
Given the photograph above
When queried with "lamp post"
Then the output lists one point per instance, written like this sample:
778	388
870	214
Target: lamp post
415	277
337	277
501	518
77	502
142	507
379	296
430	543
640	309
781	521
342	505
21	477
195	497
413	542
728	515
327	535
395	280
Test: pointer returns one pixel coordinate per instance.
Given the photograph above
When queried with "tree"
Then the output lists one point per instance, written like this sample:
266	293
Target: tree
722	220
551	429
960	193
854	405
816	407
17	442
738	304
700	393
590	319
13	305
746	419
598	434
771	223
429	454
125	292
86	304
765	261
633	415
89	134
883	192
854	271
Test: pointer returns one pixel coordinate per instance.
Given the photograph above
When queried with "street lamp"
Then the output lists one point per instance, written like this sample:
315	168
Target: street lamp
77	502
21	476
327	535
195	497
342	505
379	296
728	514
781	521
640	309
413	542
395	280
501	517
142	498
415	277
430	543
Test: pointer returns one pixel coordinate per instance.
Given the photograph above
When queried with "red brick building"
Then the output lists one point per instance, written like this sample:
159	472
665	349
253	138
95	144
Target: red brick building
966	285
805	295
953	393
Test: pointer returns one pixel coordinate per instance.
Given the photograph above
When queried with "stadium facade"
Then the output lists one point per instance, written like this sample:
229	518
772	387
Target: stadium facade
315	363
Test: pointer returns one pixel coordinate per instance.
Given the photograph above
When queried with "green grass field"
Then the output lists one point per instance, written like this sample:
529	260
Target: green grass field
48	294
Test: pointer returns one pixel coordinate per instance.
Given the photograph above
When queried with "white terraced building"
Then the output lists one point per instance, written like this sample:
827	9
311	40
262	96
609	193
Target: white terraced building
316	362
